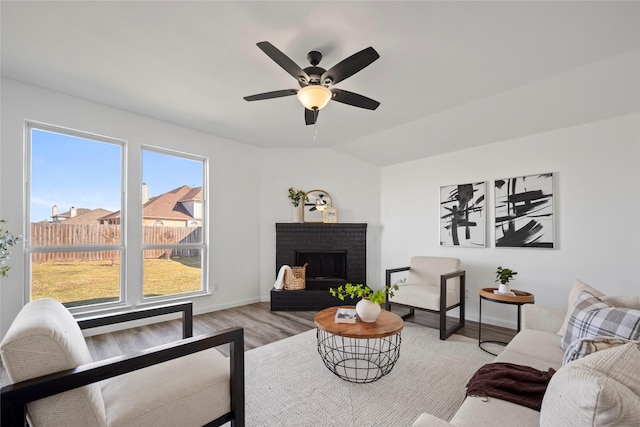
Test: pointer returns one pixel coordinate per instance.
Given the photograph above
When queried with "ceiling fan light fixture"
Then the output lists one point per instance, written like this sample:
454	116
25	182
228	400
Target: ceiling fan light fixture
314	96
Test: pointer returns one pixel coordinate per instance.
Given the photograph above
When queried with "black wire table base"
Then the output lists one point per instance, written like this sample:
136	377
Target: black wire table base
358	360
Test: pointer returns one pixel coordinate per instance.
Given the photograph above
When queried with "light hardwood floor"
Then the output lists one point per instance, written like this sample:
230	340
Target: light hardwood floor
261	326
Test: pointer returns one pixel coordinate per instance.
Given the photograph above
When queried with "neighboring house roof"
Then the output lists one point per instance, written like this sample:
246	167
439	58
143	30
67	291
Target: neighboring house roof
84	216
194	194
168	205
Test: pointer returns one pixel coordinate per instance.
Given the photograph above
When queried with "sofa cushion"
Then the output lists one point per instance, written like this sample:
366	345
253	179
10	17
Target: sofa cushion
512	382
586	346
600	389
45	338
592	317
482	411
428	420
538	349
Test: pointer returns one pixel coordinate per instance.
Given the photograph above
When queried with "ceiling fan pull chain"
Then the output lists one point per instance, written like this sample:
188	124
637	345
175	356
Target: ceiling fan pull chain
315	132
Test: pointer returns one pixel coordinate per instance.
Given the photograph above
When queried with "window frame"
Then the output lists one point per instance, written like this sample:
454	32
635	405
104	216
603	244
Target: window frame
203	245
128	249
121	247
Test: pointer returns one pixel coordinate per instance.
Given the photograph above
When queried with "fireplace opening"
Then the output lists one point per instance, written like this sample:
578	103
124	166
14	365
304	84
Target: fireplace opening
325	269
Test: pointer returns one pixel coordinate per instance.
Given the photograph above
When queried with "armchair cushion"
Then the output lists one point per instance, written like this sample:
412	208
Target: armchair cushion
43	339
167	394
422	288
422	296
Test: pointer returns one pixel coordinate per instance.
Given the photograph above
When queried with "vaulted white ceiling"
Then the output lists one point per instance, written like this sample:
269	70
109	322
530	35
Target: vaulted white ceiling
451	74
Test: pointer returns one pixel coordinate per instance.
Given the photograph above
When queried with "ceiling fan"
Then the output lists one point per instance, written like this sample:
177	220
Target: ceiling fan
316	83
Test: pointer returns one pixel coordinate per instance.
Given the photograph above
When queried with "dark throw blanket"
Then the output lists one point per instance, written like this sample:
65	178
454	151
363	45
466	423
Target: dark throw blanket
519	384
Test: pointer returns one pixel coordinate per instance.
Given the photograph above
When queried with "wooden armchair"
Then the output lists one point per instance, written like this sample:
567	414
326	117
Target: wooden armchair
55	381
434	284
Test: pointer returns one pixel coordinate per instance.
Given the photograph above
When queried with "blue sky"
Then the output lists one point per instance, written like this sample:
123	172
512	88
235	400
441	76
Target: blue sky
70	171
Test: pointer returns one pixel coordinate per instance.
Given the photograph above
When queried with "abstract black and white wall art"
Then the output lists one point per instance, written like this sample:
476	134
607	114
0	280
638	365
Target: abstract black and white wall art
524	212
462	215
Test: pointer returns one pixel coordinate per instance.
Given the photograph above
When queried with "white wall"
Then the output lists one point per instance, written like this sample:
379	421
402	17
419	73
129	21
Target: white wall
234	177
247	185
597	179
354	187
597	210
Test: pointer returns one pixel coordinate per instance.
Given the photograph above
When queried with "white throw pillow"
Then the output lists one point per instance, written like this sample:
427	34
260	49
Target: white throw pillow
597	390
631	301
592	317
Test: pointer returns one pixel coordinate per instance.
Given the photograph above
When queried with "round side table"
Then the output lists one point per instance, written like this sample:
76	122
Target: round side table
519	298
360	352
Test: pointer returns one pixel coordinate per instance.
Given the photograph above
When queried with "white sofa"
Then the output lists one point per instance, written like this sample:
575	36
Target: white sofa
602	388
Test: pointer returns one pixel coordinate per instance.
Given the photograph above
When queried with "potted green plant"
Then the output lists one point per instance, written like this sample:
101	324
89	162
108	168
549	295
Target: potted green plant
504	275
296	195
7	239
368	308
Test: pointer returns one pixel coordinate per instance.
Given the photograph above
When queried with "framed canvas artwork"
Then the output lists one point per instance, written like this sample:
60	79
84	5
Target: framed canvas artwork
462	215
524	212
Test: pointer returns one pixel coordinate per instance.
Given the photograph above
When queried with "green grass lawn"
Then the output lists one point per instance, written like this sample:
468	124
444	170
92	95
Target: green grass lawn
91	282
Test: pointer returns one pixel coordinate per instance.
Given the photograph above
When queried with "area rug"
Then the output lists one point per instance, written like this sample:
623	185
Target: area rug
288	385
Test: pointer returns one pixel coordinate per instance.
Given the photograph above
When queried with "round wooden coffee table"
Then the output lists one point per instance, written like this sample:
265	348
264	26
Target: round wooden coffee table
359	352
489	294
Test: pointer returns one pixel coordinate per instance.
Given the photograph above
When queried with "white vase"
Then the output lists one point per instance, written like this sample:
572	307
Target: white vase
368	311
503	289
296	214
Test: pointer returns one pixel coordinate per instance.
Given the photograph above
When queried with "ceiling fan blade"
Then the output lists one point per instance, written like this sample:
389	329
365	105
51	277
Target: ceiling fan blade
354	99
310	116
269	95
284	61
348	67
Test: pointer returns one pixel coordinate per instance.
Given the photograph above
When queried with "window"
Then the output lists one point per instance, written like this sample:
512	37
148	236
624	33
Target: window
172	219
75	185
77	241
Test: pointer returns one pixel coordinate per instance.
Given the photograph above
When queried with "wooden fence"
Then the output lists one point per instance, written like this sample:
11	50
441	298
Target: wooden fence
60	234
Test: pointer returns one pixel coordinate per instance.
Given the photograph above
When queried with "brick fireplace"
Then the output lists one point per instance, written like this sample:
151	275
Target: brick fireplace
335	253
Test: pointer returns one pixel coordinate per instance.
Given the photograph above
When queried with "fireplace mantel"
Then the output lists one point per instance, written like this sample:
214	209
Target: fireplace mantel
297	240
